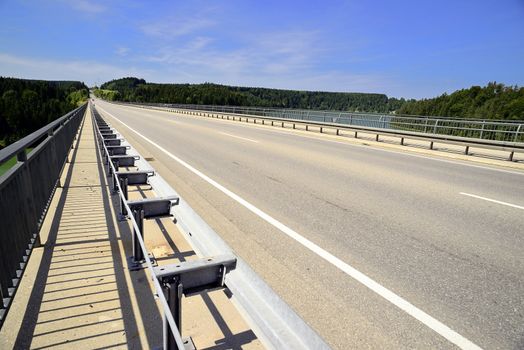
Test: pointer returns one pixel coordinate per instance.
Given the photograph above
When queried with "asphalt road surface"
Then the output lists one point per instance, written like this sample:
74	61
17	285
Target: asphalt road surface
400	251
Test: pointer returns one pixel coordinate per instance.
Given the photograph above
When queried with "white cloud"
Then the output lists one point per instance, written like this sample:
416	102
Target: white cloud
87	71
273	53
173	27
289	60
337	81
200	48
122	51
87	6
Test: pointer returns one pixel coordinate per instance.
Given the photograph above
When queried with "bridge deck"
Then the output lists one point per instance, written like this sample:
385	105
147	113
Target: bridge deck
77	289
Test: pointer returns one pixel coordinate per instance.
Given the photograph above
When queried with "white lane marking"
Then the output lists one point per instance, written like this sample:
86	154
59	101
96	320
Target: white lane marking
385	293
238	137
406	153
374	148
492	200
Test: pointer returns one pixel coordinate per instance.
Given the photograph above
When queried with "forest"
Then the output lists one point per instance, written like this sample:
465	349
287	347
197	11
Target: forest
137	90
28	105
494	101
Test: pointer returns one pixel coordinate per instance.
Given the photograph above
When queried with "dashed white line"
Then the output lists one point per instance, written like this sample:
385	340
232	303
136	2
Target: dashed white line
492	200
238	137
385	293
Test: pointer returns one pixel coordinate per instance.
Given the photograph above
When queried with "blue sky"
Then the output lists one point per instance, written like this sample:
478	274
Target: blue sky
409	49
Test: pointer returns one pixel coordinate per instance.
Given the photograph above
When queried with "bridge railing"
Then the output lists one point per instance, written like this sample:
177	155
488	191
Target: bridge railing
26	190
415	131
499	130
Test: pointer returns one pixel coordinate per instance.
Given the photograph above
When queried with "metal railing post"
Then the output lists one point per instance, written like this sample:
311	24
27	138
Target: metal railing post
123	184
138	254
517	133
115	176
173	293
21	156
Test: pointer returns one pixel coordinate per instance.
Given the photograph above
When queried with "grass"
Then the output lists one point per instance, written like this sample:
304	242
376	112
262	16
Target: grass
11	162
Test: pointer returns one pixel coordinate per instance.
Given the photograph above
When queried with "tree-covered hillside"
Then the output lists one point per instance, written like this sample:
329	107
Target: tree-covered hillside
27	105
494	101
137	90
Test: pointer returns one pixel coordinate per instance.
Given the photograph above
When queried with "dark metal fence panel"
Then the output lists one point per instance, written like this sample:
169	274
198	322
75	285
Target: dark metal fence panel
26	191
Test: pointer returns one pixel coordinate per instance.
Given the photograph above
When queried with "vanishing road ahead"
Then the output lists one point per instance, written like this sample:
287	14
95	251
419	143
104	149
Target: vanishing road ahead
445	236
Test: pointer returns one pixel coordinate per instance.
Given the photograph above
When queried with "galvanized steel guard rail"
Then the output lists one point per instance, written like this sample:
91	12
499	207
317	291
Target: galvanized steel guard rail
466	142
274	322
138	234
26	190
501	130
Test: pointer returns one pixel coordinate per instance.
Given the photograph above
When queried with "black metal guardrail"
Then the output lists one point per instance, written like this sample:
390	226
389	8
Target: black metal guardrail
26	190
432	138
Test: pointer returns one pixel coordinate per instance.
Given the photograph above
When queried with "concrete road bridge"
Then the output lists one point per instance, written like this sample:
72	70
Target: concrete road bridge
161	226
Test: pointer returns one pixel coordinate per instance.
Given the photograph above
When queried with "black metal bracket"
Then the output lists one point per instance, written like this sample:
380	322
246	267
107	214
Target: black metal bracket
108	136
149	208
154	207
190	277
113	142
124	160
136	177
117	150
130	178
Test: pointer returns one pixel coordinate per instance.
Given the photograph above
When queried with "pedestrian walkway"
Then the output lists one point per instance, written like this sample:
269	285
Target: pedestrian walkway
80	295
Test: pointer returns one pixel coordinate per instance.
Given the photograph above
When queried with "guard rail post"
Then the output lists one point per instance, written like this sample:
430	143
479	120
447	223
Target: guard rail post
138	255
190	276
123	184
